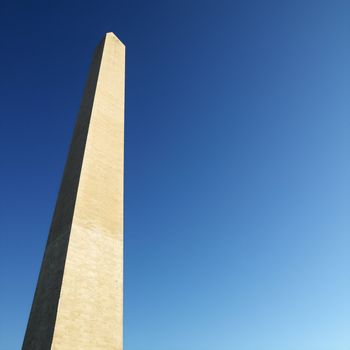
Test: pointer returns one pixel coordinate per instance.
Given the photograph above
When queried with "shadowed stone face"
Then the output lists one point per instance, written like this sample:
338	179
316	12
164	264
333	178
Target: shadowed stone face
78	302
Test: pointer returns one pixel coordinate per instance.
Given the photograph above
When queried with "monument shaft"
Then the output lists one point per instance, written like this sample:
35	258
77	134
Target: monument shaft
78	302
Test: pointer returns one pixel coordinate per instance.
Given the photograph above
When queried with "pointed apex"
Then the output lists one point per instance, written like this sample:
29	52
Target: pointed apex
112	35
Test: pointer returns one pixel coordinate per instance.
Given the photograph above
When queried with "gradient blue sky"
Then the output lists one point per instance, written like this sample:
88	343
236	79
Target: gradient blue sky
237	168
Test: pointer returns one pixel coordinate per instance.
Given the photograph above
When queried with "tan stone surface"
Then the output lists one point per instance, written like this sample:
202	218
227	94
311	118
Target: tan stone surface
89	311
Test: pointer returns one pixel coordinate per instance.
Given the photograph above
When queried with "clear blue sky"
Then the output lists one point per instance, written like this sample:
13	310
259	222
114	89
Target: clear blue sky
237	168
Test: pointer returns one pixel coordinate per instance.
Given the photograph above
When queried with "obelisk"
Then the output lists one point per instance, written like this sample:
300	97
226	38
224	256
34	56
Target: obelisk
78	302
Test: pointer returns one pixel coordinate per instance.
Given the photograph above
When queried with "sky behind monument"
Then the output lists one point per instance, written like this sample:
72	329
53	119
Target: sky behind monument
237	192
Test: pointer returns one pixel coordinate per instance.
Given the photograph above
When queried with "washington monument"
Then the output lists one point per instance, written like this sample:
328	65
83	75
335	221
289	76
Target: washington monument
78	302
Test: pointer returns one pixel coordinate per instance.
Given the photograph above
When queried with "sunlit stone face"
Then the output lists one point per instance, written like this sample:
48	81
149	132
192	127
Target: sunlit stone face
79	297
